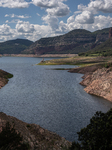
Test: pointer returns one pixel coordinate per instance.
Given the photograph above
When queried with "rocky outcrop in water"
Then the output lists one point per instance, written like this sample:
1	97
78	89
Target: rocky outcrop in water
98	80
99	83
4	76
37	137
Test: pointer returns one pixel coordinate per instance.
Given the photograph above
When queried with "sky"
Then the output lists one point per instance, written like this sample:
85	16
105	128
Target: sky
35	19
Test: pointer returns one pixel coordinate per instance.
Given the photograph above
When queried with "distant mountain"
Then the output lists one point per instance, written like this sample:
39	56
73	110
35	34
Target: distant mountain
76	41
14	46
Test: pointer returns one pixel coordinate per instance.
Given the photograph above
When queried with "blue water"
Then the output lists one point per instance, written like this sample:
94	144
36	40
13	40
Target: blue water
54	99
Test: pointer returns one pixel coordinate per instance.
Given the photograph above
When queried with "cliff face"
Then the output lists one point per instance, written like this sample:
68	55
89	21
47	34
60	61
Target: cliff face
76	41
99	83
37	137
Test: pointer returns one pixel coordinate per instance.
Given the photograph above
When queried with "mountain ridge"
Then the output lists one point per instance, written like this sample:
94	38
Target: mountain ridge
75	41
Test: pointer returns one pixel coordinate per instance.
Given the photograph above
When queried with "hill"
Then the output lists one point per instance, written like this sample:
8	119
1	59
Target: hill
104	49
14	46
76	41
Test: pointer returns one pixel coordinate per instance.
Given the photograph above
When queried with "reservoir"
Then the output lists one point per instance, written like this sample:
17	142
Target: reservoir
53	99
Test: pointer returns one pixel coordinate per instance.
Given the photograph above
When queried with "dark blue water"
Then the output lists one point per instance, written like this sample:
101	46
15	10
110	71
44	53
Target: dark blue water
54	99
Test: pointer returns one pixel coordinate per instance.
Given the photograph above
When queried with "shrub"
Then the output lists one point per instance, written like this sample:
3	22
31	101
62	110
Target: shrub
11	140
97	135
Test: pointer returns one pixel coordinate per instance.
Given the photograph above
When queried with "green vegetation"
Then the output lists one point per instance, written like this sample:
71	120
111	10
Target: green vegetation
6	75
79	61
104	49
14	46
97	135
11	140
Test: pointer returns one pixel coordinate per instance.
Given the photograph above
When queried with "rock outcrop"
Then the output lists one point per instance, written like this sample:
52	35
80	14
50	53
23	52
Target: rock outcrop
99	83
37	137
4	78
98	80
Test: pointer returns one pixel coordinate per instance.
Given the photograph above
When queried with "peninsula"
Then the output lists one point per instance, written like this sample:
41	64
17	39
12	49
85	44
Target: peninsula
4	76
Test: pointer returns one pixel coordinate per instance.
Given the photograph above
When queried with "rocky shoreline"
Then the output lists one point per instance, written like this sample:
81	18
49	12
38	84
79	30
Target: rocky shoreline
40	56
37	137
98	80
4	76
34	135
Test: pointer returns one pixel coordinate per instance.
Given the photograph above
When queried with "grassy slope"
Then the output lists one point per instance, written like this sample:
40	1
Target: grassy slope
80	61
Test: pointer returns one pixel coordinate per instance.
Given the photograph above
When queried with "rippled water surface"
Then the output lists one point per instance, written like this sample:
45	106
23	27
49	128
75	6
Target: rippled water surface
54	99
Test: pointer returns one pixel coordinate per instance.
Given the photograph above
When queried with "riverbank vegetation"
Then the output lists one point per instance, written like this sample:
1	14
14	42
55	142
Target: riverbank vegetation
82	61
95	136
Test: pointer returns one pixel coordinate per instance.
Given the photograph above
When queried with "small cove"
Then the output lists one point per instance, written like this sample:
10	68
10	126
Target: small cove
54	99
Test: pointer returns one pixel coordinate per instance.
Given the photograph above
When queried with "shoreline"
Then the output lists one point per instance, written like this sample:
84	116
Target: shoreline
97	80
41	56
37	137
97	73
4	78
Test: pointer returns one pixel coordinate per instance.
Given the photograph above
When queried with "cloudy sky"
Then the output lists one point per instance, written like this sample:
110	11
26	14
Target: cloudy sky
34	19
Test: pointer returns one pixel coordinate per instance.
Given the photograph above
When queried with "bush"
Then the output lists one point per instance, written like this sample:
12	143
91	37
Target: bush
11	140
97	135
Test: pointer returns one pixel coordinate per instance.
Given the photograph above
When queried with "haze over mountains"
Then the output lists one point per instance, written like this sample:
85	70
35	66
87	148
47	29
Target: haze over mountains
76	41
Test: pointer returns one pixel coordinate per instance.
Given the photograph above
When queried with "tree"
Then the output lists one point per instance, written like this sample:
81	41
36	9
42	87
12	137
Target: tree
98	134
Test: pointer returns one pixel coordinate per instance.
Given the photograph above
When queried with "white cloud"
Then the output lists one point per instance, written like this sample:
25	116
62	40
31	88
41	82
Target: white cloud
25	27
12	21
52	21
6	15
6	32
61	10
89	18
14	3
86	17
38	14
102	22
17	16
63	28
46	3
70	19
101	5
97	5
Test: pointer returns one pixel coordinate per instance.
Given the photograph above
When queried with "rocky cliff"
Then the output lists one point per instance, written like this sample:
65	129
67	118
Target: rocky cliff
75	41
99	83
98	80
37	137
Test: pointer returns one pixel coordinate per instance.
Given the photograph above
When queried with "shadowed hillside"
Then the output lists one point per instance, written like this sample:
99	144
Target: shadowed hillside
14	46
